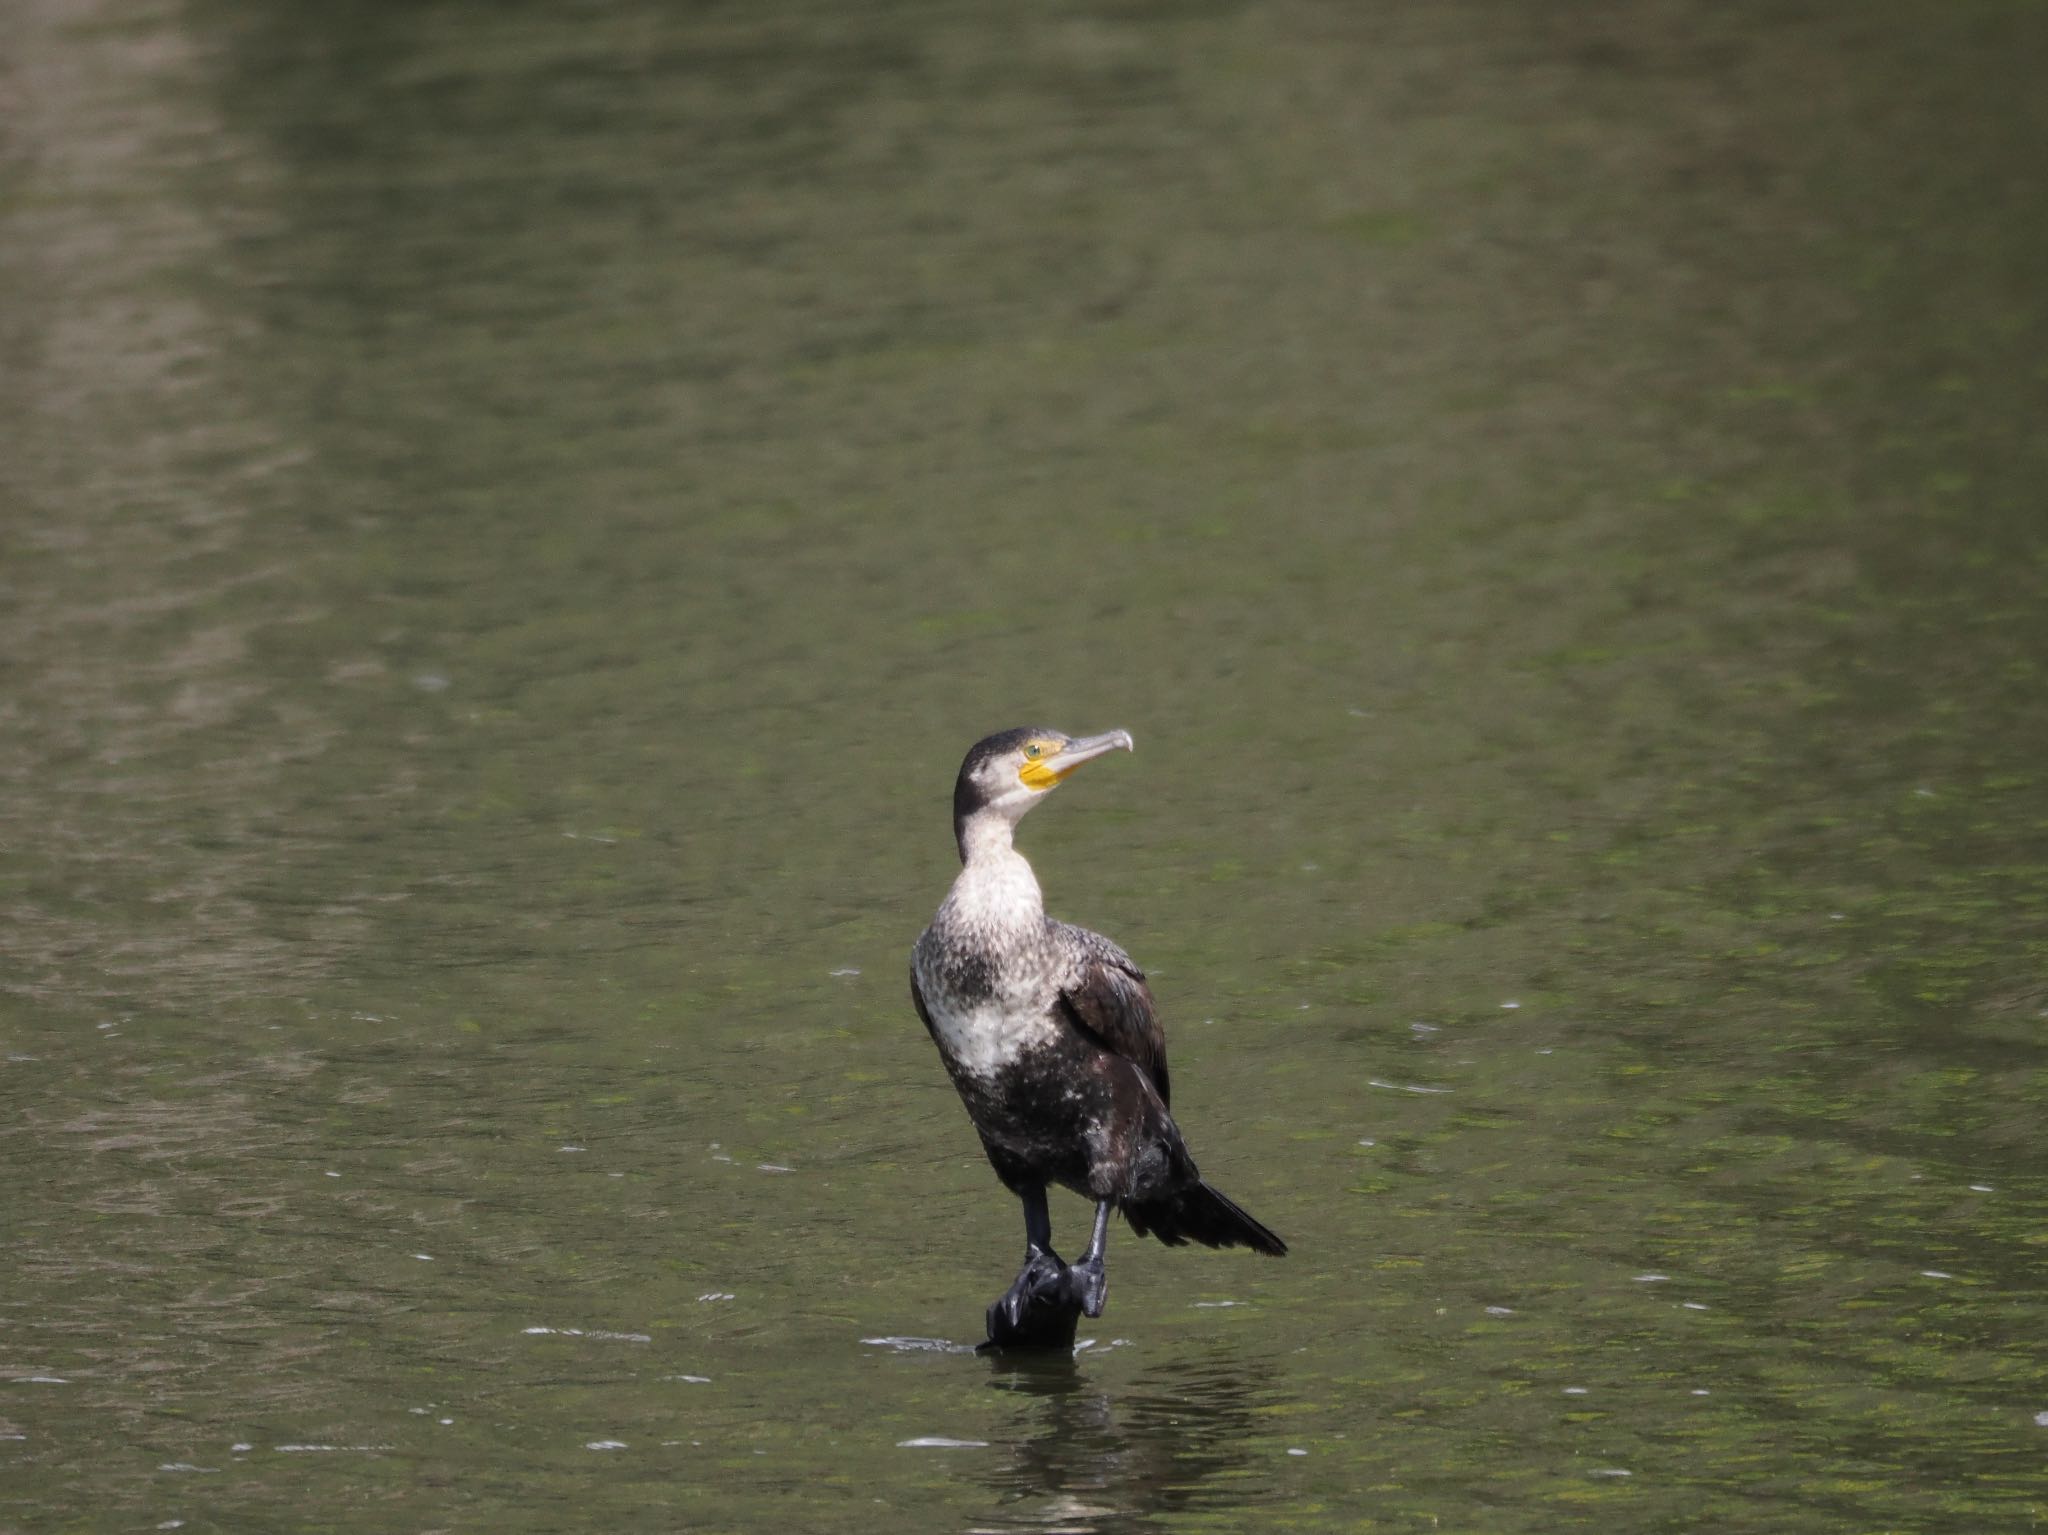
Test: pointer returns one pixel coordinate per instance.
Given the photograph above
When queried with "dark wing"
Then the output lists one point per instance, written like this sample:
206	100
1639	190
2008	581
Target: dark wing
1106	998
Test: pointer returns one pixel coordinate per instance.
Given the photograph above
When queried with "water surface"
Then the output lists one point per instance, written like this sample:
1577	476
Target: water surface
512	515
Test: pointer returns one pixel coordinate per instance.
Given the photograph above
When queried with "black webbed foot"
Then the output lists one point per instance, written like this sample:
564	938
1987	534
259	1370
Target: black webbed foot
1087	1284
1039	1276
1041	1308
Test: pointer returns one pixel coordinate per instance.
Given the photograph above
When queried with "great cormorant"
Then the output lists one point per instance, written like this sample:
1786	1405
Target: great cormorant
1050	1033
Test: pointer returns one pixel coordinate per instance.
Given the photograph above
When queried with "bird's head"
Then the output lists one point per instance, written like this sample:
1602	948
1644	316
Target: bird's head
1006	774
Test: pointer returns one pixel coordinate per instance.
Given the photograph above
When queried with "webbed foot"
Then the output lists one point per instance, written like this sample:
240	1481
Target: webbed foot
1041	1308
1087	1283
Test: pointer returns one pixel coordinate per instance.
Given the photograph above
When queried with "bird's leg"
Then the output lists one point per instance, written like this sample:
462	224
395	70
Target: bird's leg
1088	1280
1037	1224
1028	1312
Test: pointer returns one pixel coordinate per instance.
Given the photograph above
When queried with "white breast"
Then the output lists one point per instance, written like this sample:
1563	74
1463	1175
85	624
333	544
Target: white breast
984	1039
995	915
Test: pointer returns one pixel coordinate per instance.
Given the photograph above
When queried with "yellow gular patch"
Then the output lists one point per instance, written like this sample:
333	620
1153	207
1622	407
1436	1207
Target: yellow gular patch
1043	771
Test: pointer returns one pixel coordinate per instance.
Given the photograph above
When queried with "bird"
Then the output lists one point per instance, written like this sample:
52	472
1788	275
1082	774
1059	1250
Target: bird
1052	1037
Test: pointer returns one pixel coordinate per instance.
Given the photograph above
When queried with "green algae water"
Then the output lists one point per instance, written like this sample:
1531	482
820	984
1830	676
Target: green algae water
510	515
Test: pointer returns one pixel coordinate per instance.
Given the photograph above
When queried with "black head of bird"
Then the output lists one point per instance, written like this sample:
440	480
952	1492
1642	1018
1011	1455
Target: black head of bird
1005	774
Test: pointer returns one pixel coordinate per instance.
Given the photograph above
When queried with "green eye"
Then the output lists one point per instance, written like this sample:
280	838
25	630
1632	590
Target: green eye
1032	751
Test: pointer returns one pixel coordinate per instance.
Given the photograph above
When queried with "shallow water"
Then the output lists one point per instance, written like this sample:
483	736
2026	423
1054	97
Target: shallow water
510	517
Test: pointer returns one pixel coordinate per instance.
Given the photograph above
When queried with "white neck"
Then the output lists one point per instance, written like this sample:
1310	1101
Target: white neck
995	886
986	835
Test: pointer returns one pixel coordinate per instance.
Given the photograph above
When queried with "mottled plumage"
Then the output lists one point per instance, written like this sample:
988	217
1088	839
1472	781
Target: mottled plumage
1050	1032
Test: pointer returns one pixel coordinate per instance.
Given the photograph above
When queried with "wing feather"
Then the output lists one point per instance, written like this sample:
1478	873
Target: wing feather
924	1013
1107	999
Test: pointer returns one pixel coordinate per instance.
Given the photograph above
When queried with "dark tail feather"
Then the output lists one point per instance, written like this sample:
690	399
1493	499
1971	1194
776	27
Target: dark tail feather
1199	1213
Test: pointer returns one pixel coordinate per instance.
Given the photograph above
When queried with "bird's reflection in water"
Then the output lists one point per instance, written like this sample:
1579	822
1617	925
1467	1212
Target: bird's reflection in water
1091	1457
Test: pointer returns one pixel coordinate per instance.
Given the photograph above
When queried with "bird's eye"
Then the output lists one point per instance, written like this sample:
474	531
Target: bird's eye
1032	751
